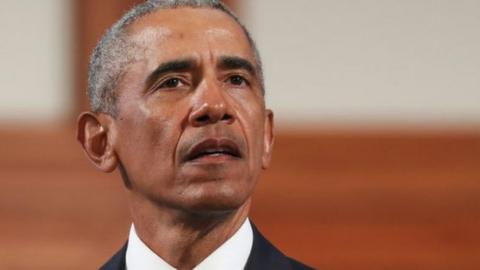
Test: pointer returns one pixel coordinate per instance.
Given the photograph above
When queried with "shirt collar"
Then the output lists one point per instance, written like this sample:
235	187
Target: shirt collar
233	254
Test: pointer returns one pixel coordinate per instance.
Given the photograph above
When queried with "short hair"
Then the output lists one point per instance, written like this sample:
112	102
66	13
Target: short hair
113	53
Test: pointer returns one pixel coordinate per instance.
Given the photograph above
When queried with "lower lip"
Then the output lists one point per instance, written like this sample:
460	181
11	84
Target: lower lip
215	158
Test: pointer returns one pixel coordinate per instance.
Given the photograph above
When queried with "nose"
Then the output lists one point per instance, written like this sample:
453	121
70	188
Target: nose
210	106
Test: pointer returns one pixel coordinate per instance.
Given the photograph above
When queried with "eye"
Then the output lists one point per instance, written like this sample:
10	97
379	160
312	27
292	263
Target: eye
171	83
237	80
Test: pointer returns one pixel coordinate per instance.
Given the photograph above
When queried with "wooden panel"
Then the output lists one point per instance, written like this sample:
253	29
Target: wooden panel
399	200
92	20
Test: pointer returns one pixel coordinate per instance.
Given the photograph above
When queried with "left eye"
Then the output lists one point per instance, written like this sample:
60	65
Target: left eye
237	80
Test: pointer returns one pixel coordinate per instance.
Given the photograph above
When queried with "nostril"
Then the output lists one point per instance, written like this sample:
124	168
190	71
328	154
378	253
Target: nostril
226	117
203	119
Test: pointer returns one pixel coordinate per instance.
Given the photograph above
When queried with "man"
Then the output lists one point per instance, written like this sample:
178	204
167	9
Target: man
176	91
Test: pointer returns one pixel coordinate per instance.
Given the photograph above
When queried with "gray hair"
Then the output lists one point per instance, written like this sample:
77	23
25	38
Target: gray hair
114	52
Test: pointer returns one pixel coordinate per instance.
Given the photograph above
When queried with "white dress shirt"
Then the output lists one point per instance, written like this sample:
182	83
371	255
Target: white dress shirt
233	254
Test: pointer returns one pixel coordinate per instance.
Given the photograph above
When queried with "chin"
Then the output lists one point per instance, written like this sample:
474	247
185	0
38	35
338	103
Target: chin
211	199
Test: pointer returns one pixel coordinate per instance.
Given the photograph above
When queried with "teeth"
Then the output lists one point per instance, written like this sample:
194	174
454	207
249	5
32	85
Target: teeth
214	152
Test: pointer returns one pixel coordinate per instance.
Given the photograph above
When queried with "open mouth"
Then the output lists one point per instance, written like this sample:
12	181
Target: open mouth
214	148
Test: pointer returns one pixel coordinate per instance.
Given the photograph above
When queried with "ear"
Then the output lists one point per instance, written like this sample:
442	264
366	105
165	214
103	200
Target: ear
268	139
96	135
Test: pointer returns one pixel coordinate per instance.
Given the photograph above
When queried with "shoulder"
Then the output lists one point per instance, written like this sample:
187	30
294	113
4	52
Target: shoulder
296	265
266	256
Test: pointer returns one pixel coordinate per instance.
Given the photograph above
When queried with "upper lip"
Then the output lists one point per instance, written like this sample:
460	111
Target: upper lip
213	145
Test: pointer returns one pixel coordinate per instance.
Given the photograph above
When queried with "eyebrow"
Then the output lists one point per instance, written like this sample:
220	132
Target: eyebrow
170	66
234	62
178	65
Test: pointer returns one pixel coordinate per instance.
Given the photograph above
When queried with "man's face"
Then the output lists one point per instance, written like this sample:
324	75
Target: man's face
192	131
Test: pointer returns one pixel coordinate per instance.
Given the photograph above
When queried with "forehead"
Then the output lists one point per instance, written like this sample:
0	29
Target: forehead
187	32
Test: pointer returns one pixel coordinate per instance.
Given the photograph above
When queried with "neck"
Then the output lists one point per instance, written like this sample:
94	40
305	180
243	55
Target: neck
181	238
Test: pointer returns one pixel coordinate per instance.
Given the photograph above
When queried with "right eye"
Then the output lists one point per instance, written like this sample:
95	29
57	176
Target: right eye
171	83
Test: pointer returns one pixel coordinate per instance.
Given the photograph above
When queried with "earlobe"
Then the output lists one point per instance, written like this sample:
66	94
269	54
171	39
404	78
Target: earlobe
269	138
94	134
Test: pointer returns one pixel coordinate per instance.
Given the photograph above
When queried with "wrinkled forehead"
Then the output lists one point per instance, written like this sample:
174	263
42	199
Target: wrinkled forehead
187	30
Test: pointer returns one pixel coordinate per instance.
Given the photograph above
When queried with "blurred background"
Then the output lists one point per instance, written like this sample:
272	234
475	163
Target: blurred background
377	156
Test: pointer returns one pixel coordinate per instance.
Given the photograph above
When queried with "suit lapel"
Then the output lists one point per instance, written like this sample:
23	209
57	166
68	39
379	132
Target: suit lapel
117	262
264	255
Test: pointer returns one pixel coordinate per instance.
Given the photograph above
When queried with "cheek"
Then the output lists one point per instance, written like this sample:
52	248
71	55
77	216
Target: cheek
147	143
162	128
257	135
251	113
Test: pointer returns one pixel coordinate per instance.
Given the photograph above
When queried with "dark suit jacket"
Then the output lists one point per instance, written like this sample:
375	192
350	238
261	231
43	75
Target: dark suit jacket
264	256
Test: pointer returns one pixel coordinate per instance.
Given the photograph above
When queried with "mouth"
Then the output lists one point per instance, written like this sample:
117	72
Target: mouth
213	150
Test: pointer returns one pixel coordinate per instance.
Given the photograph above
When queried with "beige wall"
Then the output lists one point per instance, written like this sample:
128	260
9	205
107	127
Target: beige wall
405	63
35	52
